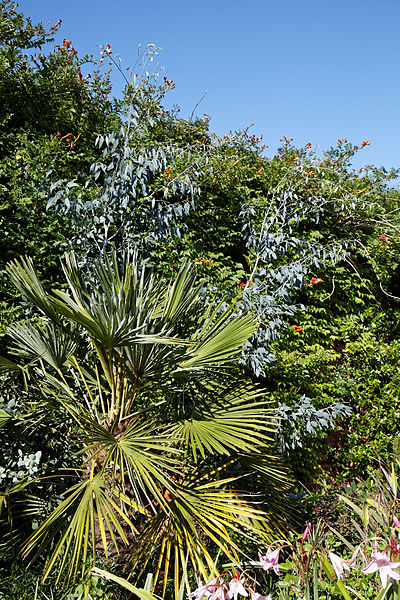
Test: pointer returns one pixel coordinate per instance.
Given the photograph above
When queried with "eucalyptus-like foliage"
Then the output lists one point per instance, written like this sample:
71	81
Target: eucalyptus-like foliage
136	192
282	259
312	216
169	434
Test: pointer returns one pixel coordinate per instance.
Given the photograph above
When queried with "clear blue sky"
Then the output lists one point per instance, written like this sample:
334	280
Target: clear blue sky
312	70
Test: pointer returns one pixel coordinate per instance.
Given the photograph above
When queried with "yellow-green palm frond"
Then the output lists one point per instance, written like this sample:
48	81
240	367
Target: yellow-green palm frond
89	517
202	518
137	455
227	420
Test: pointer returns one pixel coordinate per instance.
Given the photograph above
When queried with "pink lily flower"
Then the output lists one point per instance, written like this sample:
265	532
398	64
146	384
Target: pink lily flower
338	564
270	560
396	521
220	594
236	587
205	590
255	596
381	562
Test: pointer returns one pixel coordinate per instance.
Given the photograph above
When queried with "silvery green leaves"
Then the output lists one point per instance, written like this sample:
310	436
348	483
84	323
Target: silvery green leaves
20	466
283	253
134	194
304	420
271	307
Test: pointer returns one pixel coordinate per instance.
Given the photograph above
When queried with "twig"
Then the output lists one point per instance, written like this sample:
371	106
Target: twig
201	99
331	294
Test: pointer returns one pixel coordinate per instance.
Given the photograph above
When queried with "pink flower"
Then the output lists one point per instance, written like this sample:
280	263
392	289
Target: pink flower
205	590
306	533
338	565
255	596
236	587
220	594
270	561
381	562
396	521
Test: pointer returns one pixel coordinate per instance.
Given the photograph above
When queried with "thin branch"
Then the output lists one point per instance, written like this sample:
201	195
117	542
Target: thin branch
201	99
331	294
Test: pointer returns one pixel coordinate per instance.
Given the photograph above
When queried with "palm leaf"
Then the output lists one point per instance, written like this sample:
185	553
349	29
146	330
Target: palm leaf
181	297
139	455
50	343
218	341
139	592
8	365
23	275
17	509
200	513
86	517
4	417
232	420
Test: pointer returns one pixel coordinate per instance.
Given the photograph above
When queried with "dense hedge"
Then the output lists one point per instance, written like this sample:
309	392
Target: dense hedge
302	239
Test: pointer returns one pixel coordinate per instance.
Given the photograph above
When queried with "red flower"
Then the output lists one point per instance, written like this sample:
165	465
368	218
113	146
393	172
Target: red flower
296	328
366	144
314	281
383	239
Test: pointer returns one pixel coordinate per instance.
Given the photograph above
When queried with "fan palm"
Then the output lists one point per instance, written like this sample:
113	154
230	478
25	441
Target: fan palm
165	426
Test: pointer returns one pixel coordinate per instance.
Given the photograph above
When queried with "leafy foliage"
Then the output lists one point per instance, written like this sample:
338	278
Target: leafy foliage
131	382
158	420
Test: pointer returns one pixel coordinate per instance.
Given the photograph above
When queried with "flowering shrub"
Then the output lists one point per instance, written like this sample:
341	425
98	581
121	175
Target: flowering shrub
306	561
371	565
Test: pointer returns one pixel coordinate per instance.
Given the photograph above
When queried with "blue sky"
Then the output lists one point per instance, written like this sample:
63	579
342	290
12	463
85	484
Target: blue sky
312	70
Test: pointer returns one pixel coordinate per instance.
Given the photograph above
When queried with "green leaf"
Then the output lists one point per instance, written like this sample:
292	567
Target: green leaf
231	419
4	417
86	517
139	592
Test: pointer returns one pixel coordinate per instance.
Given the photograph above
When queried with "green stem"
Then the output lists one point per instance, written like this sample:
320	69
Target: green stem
395	590
315	580
307	589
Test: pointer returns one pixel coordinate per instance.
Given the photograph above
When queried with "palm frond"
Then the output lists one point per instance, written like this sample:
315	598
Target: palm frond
49	343
234	419
23	275
8	365
4	417
16	511
218	341
201	514
181	297
139	456
87	517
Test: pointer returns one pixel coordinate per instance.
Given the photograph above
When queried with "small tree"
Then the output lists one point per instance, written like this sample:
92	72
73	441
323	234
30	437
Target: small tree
164	424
